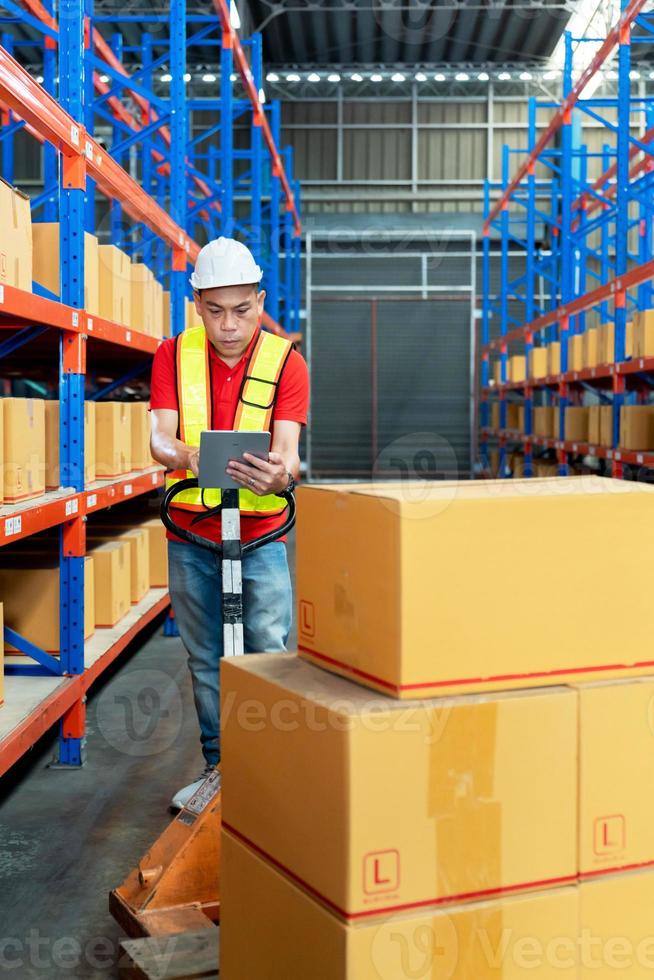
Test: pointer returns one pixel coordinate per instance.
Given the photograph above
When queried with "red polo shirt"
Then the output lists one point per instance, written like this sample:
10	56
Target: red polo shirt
291	405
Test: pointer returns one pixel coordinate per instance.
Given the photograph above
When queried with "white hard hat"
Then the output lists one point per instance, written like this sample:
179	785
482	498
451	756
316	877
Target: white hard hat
225	262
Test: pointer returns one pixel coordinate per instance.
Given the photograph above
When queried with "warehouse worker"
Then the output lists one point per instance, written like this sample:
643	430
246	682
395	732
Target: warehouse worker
210	390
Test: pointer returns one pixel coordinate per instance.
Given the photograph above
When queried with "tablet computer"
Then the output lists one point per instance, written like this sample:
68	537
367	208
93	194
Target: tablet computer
218	446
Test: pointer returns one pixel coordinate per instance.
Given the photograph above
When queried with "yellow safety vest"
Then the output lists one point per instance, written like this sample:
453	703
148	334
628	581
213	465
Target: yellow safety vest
254	410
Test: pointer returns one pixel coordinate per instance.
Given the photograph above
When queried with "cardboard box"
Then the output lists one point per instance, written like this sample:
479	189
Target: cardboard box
165	314
52	439
544	421
606	342
140	435
594	425
615	926
538	362
545	469
113	439
24	448
112	581
139	543
575	352
518	368
517	465
484	797
193	318
29	586
637	427
15	238
606	425
513	416
157	302
629	339
616	773
269	927
591	348
157	545
576	423
384	586
143	314
554	358
115	284
46	263
644	333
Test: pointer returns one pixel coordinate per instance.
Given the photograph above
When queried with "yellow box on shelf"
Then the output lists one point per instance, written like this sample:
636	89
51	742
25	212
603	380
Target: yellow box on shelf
538	362
518	368
46	263
484	795
139	544
615	927
575	352
637	427
112	581
113	439
385	591
544	421
29	587
554	358
298	938
591	348
644	333
576	423
15	238
140	435
52	476
24	448
115	284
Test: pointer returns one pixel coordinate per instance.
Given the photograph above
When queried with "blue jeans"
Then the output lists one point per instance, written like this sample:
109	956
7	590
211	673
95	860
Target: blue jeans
196	594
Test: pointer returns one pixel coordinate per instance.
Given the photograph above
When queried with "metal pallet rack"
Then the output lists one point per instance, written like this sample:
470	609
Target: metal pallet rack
152	219
598	260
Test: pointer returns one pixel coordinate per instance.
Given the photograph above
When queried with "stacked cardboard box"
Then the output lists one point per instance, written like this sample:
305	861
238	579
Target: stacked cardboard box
554	358
52	440
575	352
538	357
576	423
514	417
644	333
600	423
29	588
113	439
112	596
115	284
15	239
23	448
637	427
165	313
140	436
518	368
139	555
157	545
46	263
591	348
544	419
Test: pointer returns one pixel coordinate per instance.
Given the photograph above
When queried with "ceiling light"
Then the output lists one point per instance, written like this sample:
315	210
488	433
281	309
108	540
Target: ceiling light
234	18
232	77
398	77
635	75
208	77
262	96
104	78
504	76
187	77
313	77
651	74
272	77
333	77
39	79
525	76
166	78
439	77
356	77
549	76
376	77
293	77
483	76
420	77
462	76
613	75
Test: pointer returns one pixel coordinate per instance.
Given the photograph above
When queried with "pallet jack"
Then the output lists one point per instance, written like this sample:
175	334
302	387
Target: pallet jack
174	893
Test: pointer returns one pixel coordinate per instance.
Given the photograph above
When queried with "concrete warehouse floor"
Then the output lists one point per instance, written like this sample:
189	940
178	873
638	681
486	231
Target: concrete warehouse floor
68	837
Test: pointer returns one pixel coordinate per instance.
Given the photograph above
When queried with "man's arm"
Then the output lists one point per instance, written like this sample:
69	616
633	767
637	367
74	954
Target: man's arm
166	448
284	458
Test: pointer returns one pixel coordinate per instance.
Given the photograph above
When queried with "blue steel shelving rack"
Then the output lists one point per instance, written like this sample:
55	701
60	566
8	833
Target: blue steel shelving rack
591	224
152	221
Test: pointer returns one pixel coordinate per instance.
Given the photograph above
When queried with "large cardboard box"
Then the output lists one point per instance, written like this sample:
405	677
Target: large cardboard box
606	342
385	591
554	358
52	439
594	425
637	427
270	927
538	362
644	333
484	787
29	587
513	419
112	581
606	425
46	263
142	301
576	423
15	238
575	352
517	368
139	545
157	544
115	284
615	927
113	439
616	775
140	435
591	348
24	448
544	421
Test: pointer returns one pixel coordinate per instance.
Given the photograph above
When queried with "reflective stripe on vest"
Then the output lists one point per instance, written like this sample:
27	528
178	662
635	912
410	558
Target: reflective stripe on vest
254	410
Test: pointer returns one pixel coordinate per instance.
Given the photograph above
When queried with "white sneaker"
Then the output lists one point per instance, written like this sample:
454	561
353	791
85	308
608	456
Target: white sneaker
181	798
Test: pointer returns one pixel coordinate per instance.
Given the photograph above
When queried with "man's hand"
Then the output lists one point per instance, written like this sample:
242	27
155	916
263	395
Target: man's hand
259	475
194	461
